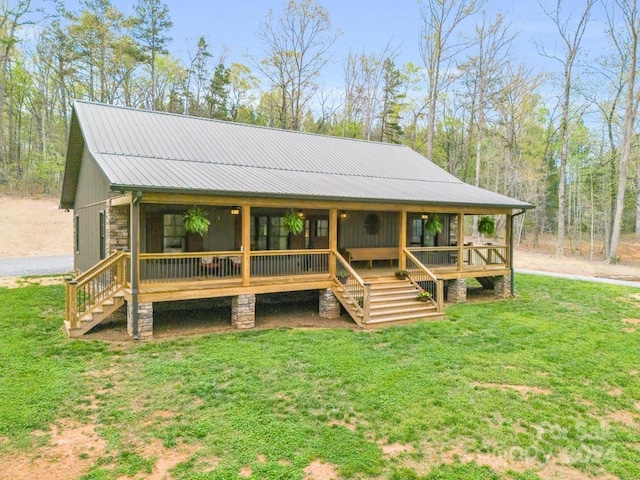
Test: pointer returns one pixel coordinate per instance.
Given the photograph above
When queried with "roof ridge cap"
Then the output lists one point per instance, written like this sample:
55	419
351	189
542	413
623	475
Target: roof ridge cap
240	124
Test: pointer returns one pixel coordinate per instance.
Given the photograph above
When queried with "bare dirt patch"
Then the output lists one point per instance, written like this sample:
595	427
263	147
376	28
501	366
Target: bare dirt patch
38	227
167	458
623	417
631	321
616	392
318	470
17	282
395	449
69	454
522	389
245	472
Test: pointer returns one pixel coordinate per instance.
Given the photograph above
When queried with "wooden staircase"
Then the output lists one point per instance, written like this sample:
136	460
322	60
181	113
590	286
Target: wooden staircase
395	302
95	295
96	315
391	302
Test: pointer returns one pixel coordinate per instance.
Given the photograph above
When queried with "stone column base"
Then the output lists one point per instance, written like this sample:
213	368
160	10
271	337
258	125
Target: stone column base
329	304
457	291
502	286
243	311
145	320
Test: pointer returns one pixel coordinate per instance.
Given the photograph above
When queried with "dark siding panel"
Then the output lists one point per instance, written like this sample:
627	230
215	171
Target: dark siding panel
91	196
354	234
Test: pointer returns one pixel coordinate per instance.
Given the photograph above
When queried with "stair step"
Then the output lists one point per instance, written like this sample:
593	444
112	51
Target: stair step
390	284
395	297
119	294
395	291
393	303
402	317
400	310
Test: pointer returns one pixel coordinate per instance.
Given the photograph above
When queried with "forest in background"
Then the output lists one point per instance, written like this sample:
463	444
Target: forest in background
467	103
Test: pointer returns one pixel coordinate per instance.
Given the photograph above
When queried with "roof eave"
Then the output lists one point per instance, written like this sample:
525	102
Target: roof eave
222	193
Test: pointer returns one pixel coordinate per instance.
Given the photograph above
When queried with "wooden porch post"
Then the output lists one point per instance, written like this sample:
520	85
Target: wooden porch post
246	244
460	240
402	241
333	239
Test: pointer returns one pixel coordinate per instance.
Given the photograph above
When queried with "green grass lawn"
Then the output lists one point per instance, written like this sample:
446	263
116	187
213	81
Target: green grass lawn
514	389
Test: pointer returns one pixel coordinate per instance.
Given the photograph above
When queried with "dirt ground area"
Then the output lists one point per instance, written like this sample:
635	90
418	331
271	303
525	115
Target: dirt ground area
34	227
39	228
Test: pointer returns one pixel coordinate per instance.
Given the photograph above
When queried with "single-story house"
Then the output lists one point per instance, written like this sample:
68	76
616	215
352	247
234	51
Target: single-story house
131	175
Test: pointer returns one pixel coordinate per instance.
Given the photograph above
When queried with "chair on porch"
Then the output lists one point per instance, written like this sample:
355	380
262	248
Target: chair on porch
219	266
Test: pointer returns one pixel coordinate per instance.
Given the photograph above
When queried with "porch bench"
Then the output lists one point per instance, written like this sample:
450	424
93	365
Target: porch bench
372	253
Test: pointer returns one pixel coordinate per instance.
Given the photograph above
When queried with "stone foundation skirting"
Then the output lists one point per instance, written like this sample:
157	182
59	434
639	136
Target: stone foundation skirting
145	320
243	311
329	304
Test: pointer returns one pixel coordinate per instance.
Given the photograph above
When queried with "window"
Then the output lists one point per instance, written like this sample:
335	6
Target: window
103	235
416	232
173	233
269	233
76	228
278	234
322	228
259	233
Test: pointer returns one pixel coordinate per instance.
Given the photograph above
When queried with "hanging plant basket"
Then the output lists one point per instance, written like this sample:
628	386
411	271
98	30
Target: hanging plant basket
433	224
196	221
486	225
293	223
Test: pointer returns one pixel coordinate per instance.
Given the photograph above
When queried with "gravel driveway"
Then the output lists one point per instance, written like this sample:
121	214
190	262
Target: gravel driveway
24	266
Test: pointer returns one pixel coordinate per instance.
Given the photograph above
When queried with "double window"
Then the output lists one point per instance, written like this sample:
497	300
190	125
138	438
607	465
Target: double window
268	233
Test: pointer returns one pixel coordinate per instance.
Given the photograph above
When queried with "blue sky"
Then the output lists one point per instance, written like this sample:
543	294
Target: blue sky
365	25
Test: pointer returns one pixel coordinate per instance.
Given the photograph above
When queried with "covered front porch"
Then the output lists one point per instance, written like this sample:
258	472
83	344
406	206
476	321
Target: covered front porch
349	252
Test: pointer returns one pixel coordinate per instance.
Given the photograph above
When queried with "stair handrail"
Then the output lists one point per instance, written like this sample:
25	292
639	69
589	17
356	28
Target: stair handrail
83	293
439	300
366	287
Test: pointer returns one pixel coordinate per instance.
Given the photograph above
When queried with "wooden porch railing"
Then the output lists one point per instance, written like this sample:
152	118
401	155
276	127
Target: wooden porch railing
175	267
354	286
100	282
183	267
436	257
278	263
424	279
485	256
474	257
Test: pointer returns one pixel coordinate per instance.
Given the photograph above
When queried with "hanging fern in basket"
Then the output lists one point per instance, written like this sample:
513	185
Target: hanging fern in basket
433	224
486	225
293	223
196	221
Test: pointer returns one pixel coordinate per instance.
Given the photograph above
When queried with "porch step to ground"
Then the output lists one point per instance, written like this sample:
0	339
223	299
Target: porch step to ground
392	302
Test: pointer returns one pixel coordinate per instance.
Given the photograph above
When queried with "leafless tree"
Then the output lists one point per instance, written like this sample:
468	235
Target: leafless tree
571	36
439	48
296	46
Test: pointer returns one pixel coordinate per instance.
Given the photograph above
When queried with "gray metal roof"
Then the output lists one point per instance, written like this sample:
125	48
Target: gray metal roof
144	150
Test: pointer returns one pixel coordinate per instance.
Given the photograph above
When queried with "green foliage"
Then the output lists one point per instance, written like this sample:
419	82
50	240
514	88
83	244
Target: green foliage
433	224
293	223
41	375
293	396
486	225
196	221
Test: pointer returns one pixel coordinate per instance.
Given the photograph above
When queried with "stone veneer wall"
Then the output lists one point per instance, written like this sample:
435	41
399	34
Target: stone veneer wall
329	304
145	320
117	234
457	291
502	286
243	311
